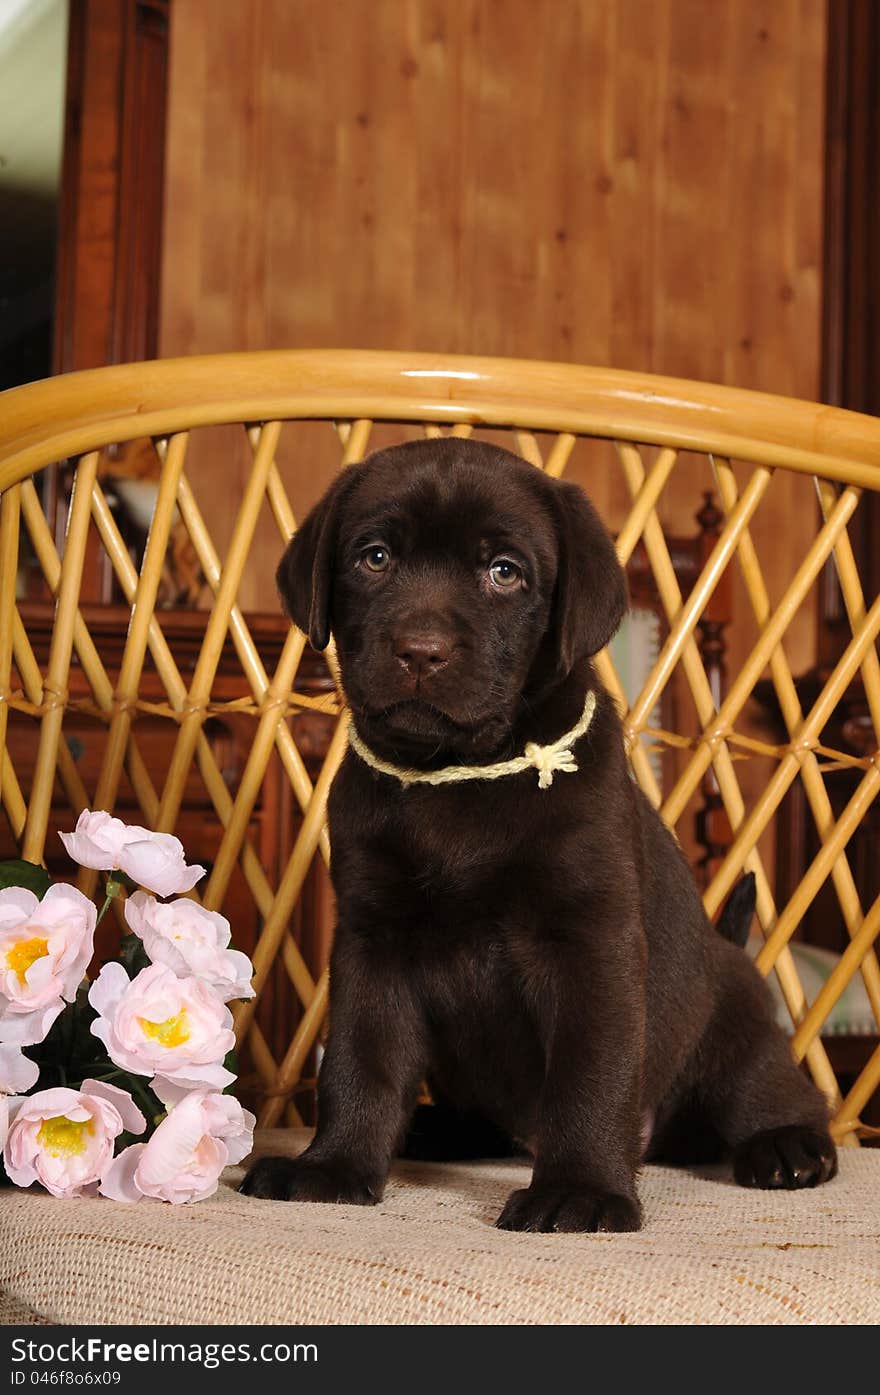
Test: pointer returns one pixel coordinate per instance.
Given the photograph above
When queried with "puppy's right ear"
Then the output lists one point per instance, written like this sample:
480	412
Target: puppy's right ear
305	573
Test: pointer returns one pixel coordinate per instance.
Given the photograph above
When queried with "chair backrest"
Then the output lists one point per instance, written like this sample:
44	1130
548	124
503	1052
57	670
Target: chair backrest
789	477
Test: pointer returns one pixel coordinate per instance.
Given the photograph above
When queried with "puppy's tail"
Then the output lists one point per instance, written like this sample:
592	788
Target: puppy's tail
735	920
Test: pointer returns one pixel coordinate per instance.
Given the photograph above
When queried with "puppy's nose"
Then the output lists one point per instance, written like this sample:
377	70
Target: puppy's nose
423	654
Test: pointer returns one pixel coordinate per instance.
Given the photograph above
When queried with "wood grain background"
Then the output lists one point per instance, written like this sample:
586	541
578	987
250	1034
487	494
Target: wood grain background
633	182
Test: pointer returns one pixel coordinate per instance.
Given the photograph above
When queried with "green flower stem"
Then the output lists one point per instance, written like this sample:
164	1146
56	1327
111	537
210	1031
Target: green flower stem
112	890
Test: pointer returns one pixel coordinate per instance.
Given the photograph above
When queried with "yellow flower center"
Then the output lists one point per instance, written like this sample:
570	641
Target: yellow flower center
25	953
172	1032
63	1137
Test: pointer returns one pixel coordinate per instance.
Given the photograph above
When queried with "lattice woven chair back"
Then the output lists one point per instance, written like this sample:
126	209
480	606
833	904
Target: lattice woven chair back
641	447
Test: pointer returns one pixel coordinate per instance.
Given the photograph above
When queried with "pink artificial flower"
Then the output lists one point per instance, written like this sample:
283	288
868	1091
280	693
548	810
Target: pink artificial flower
97	840
17	1073
160	1025
158	862
189	940
154	860
201	1135
64	1138
45	947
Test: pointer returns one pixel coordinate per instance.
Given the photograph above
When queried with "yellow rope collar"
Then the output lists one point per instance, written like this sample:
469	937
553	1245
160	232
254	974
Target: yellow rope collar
547	760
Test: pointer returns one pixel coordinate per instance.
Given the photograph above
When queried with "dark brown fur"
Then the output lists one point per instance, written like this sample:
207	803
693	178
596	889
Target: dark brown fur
541	956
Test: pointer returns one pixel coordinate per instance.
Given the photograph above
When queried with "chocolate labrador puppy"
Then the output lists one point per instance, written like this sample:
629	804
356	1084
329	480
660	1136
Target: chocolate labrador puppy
515	923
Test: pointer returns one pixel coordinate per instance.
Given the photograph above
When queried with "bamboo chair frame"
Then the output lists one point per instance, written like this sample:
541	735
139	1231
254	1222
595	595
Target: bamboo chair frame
78	415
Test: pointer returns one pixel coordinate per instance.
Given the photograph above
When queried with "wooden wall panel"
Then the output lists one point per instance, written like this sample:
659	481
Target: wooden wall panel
110	212
635	182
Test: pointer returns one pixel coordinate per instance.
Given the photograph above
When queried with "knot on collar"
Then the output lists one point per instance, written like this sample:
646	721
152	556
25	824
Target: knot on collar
547	761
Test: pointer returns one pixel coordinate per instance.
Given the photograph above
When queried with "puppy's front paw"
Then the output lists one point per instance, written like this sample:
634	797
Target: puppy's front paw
545	1208
296	1179
790	1157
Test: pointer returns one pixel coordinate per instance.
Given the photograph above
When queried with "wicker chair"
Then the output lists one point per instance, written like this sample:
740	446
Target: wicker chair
427	1254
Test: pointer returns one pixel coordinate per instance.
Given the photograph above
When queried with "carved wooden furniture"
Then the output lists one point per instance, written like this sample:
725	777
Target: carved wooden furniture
688	555
798	845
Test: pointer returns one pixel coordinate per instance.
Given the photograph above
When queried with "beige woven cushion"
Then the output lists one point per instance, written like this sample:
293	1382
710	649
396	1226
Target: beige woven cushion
710	1252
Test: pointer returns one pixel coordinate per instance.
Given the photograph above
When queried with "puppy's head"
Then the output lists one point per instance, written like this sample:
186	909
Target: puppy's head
457	579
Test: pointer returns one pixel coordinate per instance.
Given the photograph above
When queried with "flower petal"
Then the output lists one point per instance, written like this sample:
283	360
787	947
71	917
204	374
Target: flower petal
133	1120
191	1077
18	1074
242	971
157	862
58	1099
28	1028
17	902
96	841
168	1092
173	1144
118	1182
108	988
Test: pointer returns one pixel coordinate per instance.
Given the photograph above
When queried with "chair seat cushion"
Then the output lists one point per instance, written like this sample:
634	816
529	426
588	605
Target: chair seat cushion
851	1015
710	1252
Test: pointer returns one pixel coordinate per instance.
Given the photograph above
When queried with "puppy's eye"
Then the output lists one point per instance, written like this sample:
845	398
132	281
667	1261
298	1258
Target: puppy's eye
505	574
376	558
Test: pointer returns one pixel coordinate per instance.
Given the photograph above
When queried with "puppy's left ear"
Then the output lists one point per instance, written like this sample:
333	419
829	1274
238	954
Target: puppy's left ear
591	597
305	573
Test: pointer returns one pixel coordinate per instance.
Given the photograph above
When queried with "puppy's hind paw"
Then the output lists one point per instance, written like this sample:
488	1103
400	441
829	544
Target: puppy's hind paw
296	1179
790	1157
546	1208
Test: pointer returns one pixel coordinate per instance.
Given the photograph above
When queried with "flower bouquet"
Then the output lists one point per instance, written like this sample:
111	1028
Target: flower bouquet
118	1086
